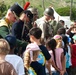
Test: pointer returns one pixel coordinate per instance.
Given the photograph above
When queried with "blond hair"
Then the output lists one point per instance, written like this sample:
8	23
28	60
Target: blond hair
4	47
29	56
58	39
26	59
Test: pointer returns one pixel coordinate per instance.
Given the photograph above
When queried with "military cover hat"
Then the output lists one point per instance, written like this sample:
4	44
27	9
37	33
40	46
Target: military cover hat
49	11
29	14
17	9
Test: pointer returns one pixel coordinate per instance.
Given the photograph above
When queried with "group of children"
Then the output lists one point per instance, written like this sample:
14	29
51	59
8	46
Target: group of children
55	55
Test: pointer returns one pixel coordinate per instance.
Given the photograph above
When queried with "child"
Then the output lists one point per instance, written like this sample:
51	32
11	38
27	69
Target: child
30	60
48	43
15	60
73	55
5	67
60	50
35	37
68	53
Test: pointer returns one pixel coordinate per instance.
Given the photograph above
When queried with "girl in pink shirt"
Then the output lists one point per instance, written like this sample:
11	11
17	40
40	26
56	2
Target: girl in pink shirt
57	56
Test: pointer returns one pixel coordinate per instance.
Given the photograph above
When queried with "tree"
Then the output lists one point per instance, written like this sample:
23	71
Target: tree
43	5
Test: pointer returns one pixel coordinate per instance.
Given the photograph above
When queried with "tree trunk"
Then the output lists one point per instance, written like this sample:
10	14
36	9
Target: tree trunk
43	5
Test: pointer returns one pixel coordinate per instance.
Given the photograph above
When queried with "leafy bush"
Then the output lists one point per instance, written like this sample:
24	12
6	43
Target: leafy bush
74	13
3	9
66	12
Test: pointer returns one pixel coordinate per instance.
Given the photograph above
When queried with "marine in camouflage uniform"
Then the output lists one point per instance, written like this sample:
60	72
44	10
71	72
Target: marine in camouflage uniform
44	24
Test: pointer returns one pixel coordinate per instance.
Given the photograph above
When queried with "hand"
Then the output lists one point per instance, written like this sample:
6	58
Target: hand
61	72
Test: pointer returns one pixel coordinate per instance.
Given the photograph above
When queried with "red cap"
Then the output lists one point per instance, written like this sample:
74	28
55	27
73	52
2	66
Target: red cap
26	5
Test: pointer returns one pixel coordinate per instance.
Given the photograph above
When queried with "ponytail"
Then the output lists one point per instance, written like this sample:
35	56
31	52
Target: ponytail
26	60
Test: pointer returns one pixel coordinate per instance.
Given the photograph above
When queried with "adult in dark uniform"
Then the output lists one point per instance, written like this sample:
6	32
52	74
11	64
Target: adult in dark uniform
20	28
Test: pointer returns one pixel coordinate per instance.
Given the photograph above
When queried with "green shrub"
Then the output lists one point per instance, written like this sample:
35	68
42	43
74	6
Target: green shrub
3	9
66	12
